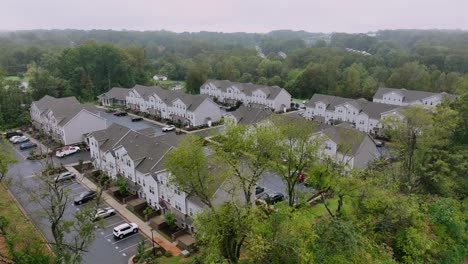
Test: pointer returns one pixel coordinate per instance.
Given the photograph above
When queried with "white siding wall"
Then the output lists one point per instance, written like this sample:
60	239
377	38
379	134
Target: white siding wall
391	98
207	109
84	122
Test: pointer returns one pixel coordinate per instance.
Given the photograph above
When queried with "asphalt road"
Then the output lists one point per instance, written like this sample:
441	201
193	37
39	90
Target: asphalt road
105	249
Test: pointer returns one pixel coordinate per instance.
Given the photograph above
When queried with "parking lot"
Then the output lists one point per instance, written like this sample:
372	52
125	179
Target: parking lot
127	122
273	184
105	249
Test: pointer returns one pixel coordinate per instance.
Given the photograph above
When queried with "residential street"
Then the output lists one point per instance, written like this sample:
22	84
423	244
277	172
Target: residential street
105	248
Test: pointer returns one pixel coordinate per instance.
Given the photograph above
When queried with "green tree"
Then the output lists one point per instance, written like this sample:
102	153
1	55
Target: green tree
188	166
196	75
295	151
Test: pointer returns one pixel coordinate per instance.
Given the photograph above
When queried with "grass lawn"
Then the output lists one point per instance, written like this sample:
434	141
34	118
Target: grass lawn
13	78
320	210
18	223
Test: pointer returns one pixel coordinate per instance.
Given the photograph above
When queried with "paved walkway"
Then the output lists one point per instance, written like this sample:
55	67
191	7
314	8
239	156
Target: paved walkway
127	215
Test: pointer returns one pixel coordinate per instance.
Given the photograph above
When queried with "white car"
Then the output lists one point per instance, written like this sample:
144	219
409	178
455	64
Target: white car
65	151
103	213
124	229
65	176
168	128
13	138
19	139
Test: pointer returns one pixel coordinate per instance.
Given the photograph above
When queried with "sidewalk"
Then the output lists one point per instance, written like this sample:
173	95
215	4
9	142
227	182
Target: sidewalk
127	215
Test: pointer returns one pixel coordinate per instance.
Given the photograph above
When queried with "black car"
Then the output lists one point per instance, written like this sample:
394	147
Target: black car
10	134
259	189
28	145
85	197
120	113
136	119
274	198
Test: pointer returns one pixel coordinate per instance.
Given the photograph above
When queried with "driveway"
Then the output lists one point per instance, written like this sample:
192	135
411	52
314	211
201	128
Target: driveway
105	249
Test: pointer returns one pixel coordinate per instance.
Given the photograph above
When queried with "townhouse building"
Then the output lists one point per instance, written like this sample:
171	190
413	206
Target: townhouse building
66	119
115	96
364	115
274	98
139	158
247	116
347	146
405	97
187	109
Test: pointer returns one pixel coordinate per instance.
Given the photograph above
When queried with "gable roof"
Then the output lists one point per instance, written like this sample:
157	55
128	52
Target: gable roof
247	88
116	93
248	116
348	140
52	103
410	95
190	100
146	91
330	101
147	152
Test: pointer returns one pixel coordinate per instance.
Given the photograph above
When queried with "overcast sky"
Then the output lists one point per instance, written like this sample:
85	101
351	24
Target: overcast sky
234	15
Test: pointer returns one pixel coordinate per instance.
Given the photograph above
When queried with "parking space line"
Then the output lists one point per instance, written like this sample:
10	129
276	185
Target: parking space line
131	246
30	176
109	235
21	154
130	236
118	223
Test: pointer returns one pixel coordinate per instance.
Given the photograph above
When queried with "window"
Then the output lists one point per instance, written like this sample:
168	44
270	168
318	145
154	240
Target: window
190	211
151	189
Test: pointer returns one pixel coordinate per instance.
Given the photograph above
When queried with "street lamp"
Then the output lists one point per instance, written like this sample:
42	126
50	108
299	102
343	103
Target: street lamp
152	240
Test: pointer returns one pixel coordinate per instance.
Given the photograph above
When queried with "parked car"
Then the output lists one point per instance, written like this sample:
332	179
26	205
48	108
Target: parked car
65	151
19	139
10	134
274	198
379	144
136	119
120	113
104	212
259	189
168	128
124	229
27	145
65	176
13	138
85	197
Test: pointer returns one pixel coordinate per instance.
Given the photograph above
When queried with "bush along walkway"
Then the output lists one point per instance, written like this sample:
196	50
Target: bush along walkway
126	214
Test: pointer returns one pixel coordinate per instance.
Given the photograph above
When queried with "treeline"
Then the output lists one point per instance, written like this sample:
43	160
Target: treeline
88	63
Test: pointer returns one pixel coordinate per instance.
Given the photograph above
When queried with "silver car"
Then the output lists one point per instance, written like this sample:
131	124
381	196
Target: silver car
65	176
104	212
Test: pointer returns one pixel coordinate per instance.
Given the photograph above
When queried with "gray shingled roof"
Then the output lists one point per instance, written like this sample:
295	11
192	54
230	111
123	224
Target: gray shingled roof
248	116
43	103
372	109
148	152
329	100
52	103
116	93
349	140
192	101
146	91
410	95
247	88
63	109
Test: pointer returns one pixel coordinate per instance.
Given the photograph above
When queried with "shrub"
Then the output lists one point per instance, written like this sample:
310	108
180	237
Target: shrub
170	219
159	254
122	184
168	254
